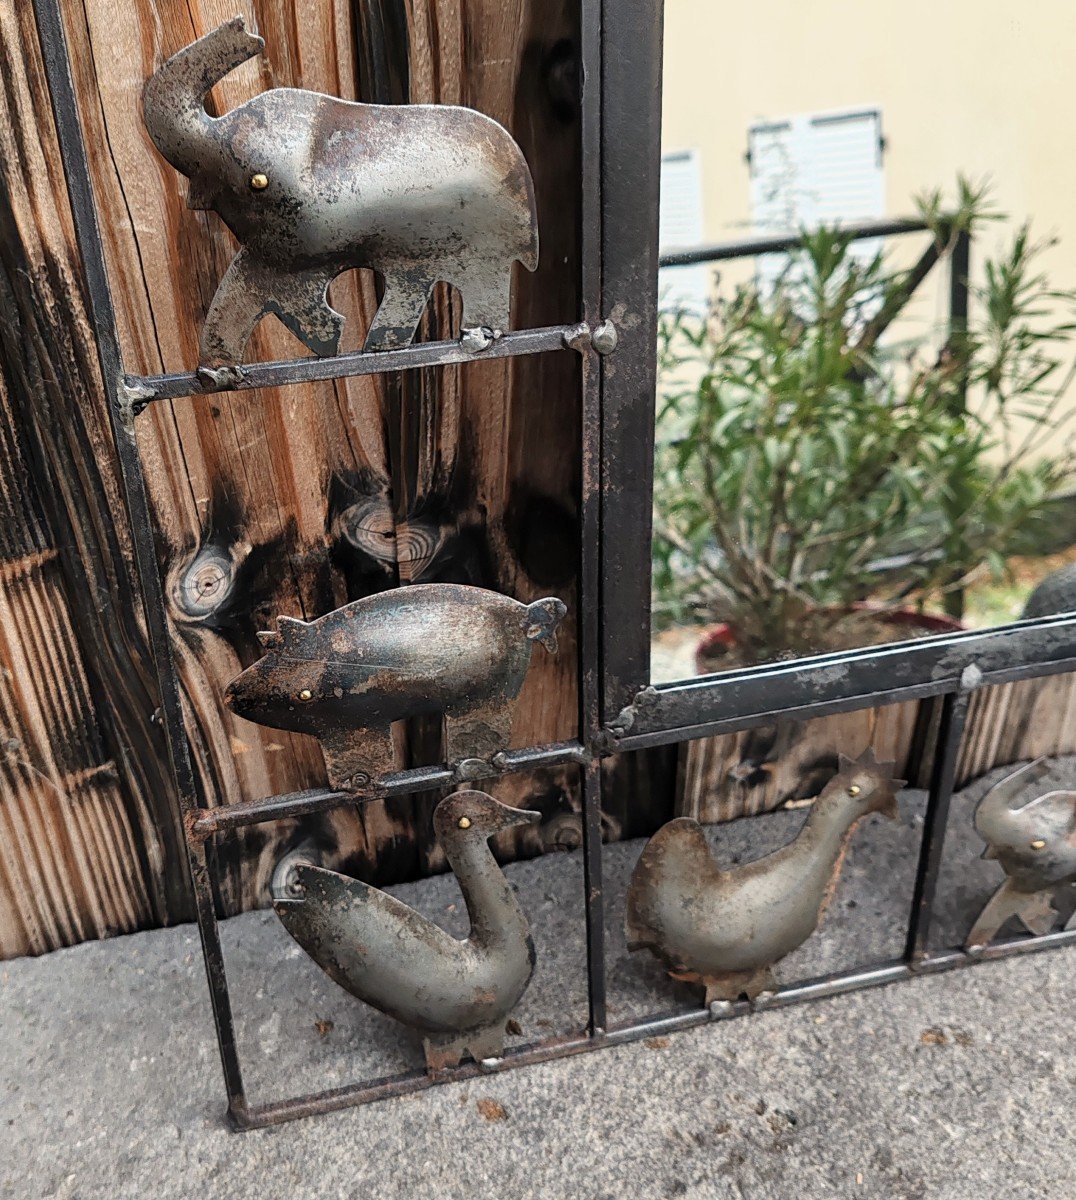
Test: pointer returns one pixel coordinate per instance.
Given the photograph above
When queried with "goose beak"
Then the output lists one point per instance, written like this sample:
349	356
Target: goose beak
518	816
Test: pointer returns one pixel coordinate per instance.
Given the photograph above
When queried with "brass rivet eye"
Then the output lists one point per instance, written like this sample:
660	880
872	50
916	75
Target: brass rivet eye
465	822
306	694
854	790
1038	845
259	182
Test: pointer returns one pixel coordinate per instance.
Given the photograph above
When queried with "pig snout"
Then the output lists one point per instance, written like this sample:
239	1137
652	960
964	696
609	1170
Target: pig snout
541	620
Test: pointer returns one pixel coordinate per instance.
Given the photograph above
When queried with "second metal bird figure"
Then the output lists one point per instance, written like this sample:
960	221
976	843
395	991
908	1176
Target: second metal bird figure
457	994
726	929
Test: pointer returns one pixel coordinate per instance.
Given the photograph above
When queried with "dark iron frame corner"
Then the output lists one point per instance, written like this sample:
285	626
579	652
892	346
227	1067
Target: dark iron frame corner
621	59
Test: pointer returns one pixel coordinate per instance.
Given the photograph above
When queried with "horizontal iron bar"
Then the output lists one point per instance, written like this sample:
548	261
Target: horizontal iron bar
307	370
844	681
824	987
400	783
259	1116
777	243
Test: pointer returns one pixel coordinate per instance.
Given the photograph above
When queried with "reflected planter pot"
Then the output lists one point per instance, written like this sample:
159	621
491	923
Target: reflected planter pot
904	622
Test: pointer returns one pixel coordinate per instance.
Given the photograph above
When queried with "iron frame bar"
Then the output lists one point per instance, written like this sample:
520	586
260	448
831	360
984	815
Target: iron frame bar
621	56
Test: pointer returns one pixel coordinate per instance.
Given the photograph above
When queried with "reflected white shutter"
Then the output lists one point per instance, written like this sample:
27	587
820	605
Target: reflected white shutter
680	224
815	168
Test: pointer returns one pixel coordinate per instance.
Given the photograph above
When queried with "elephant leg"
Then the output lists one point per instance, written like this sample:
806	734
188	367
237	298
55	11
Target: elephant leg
1003	905
479	733
487	297
302	304
399	313
241	298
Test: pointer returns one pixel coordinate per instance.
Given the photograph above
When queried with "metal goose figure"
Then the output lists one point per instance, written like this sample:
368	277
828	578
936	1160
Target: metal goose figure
457	994
727	929
1036	847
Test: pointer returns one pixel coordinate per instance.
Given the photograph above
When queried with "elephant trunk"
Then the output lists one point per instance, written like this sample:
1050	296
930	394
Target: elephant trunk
173	100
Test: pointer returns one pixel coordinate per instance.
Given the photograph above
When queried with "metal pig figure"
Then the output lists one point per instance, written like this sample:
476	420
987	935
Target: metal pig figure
458	994
1036	847
429	648
312	185
726	929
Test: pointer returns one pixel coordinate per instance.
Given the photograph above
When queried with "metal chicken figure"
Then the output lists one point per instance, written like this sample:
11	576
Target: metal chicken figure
312	185
1036	847
429	648
726	929
457	994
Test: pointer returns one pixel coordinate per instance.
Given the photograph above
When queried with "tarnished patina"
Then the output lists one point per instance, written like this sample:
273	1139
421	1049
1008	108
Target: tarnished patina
457	994
312	185
430	648
726	929
1035	843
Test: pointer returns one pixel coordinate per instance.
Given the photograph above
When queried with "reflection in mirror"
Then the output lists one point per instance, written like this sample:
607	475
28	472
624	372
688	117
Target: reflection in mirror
1009	861
865	434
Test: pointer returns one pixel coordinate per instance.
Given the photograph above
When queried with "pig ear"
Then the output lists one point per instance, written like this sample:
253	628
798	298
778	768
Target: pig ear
269	639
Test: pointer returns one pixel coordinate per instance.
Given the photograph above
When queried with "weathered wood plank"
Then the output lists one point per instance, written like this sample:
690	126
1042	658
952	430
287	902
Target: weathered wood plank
84	801
1017	721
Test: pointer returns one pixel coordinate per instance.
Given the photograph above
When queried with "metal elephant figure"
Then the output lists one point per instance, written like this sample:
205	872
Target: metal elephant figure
312	185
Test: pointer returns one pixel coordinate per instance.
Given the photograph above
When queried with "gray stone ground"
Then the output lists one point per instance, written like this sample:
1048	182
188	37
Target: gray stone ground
950	1086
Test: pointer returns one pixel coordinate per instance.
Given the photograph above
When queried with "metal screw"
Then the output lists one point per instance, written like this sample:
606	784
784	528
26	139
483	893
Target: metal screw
259	182
306	694
1038	844
465	822
605	338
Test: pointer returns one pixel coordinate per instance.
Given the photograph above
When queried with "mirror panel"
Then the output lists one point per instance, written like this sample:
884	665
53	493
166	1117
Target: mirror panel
860	440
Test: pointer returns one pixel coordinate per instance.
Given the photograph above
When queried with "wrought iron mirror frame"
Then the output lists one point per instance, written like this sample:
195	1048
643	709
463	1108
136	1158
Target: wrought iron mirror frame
639	714
621	60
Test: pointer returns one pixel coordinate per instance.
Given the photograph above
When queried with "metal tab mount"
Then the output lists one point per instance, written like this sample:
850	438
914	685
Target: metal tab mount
312	186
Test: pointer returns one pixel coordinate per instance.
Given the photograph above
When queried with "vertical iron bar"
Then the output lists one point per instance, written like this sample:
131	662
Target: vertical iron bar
942	776
121	416
590	525
593	896
959	269
631	169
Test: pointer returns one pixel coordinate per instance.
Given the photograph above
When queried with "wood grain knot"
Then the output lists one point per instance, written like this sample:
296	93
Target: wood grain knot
369	526
206	583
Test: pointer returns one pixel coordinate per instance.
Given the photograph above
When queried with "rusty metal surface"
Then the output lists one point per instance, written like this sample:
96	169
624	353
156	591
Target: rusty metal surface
1035	844
312	185
429	648
457	994
726	929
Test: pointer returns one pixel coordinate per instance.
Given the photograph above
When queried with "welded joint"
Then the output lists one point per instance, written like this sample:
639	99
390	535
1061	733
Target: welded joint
219	379
132	398
603	338
606	739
